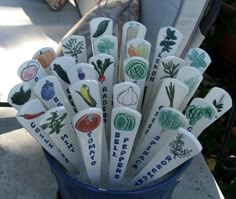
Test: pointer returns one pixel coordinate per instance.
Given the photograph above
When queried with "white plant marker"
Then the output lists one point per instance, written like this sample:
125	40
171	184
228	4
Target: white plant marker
138	47
130	30
168	68
59	68
100	26
193	79
31	71
20	94
171	94
45	56
85	94
200	114
108	44
81	71
178	150
135	71
29	117
126	94
198	58
104	67
88	125
50	92
220	99
168	121
124	126
75	46
56	123
168	40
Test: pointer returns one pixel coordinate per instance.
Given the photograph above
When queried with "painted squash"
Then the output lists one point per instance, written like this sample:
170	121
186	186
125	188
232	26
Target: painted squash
46	57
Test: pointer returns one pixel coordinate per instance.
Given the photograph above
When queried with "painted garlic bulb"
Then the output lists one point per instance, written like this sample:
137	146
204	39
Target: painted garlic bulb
128	97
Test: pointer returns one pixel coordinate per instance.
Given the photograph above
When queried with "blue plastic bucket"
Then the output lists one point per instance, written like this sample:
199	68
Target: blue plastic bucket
71	188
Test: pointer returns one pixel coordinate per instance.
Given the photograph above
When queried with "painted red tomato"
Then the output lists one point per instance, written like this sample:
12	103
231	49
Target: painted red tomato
29	72
88	123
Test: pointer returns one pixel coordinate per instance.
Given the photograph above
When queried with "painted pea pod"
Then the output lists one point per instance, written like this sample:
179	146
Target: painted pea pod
101	28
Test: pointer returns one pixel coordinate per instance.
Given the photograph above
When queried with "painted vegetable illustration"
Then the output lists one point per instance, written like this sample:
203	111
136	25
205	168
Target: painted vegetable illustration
55	122
81	74
102	26
132	31
132	51
105	46
73	47
142	50
124	122
31	116
170	120
127	97
197	59
48	91
192	82
194	113
176	147
46	57
21	97
88	123
29	72
101	67
136	69
61	73
84	92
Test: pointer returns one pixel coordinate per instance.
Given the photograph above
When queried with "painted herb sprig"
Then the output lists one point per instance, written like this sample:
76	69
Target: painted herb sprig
73	47
168	41
170	90
197	59
101	67
170	69
219	105
176	147
54	123
105	46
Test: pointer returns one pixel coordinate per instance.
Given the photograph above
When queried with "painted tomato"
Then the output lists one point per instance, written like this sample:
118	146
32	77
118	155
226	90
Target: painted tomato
29	72
88	123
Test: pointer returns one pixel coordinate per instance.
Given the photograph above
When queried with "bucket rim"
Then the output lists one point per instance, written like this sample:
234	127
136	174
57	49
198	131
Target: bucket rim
57	168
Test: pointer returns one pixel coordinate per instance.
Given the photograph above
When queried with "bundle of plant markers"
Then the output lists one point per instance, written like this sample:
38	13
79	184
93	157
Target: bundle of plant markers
117	122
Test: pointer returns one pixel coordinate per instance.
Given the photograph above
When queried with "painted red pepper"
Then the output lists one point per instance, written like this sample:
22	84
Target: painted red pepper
31	116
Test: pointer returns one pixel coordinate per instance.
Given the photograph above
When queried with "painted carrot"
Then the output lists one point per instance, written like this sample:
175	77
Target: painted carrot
31	116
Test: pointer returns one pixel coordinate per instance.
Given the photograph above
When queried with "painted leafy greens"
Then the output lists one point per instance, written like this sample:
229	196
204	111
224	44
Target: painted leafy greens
169	40
170	120
105	45
197	60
